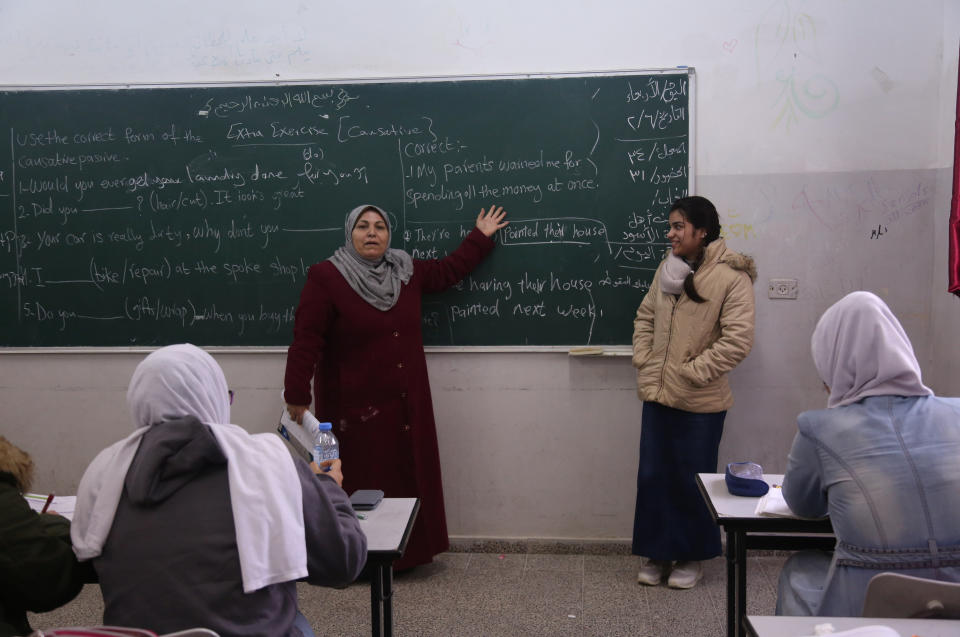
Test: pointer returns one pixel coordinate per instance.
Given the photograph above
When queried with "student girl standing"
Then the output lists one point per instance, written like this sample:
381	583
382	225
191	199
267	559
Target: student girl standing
694	325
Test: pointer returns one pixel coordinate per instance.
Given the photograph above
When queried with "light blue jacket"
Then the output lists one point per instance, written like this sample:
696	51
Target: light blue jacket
887	470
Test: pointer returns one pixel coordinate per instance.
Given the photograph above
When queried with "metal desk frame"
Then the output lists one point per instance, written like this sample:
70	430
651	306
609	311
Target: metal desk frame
383	549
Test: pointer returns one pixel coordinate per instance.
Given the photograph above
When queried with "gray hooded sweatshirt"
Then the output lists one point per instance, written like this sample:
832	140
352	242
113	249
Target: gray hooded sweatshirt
171	562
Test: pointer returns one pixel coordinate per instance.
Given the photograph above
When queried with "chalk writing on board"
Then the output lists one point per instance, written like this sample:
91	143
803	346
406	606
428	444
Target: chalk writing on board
147	216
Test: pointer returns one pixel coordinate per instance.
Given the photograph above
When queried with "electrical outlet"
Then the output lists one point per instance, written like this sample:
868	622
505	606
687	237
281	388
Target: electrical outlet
782	289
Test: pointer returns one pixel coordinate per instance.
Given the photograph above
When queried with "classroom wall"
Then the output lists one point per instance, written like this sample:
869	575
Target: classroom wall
944	368
824	134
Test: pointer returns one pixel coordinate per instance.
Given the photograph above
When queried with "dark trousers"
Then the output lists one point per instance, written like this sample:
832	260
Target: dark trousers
671	520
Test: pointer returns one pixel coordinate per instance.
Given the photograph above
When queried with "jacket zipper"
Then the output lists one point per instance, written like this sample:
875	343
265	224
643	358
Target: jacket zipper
666	350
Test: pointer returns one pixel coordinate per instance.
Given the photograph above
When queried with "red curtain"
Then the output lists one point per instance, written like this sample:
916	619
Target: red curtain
954	256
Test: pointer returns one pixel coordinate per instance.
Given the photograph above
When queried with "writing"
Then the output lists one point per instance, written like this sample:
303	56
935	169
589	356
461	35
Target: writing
147	216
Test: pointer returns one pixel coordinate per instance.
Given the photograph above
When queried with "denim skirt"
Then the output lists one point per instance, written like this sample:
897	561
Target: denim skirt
671	521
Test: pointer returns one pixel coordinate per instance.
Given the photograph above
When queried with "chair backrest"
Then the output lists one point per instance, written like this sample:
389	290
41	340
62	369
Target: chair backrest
895	595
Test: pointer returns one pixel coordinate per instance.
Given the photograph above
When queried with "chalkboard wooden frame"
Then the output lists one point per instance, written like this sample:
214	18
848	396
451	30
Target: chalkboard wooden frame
620	344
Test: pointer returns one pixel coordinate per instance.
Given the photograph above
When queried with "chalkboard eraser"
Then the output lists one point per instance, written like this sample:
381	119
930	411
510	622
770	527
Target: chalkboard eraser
586	351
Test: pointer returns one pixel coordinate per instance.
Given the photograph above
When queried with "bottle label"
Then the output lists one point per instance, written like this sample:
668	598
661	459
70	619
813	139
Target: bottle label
326	453
321	453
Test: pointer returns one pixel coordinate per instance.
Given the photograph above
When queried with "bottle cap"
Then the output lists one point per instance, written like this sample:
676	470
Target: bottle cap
325	426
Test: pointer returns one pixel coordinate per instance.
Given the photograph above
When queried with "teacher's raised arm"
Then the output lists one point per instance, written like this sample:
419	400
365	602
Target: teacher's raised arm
358	345
491	220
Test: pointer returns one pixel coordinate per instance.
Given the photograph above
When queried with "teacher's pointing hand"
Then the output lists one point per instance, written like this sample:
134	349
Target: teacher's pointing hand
491	220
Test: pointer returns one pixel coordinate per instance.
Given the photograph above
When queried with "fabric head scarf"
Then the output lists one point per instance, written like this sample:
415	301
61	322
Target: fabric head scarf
377	282
183	380
860	350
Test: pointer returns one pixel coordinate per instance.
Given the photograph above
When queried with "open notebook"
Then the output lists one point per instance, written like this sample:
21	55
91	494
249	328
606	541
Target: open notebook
772	504
61	504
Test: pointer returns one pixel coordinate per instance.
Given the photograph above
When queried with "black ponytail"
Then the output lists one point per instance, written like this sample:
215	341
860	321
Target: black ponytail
688	286
701	214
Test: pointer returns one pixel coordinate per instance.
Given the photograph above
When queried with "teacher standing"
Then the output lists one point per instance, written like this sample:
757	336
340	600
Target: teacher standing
694	325
357	333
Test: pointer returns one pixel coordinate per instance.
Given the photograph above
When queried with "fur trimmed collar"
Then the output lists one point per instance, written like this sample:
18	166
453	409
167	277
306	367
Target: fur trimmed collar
17	464
742	262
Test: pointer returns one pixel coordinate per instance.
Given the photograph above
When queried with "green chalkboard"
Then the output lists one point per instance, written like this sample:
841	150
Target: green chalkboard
152	215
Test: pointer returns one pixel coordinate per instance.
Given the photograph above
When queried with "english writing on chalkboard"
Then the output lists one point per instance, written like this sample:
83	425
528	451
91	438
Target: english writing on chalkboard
150	216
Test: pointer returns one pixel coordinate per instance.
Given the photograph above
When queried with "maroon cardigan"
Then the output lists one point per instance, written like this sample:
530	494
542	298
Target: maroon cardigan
370	381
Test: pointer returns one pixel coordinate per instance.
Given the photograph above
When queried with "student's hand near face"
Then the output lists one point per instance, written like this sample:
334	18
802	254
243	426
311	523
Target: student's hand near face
335	472
491	220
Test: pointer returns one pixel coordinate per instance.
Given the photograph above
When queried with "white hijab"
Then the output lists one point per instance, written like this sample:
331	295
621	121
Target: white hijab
265	495
860	350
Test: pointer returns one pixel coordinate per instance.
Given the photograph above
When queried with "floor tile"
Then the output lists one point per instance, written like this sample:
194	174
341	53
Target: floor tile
608	563
546	562
517	595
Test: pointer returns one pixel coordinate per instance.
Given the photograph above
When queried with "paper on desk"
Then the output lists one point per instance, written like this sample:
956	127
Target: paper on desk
874	630
62	504
773	505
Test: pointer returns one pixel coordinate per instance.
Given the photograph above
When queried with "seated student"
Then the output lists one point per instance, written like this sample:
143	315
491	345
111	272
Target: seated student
38	570
881	460
194	522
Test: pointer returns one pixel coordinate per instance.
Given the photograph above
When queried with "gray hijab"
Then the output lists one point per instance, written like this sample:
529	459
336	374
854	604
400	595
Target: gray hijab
860	349
377	282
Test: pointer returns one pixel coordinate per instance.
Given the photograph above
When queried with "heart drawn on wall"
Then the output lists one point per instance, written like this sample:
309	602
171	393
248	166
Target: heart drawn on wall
730	45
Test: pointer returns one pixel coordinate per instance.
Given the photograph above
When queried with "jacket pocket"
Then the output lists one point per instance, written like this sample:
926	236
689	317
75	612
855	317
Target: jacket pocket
688	372
640	358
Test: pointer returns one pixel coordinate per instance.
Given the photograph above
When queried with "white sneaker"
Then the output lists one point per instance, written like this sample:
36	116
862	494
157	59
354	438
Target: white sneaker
685	575
652	572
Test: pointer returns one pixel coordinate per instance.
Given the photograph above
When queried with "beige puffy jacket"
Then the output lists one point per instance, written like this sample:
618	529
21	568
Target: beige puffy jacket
683	350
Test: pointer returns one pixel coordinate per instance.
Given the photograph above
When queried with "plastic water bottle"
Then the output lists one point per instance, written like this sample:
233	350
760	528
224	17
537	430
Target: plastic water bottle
325	445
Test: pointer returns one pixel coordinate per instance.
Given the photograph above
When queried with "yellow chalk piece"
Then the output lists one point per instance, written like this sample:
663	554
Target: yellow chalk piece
586	351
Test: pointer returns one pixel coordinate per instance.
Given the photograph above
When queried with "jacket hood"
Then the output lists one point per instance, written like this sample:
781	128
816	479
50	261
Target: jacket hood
742	262
718	250
171	454
17	464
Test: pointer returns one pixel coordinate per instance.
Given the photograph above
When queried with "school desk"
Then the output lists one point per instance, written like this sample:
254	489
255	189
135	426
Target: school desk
746	530
387	529
762	626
